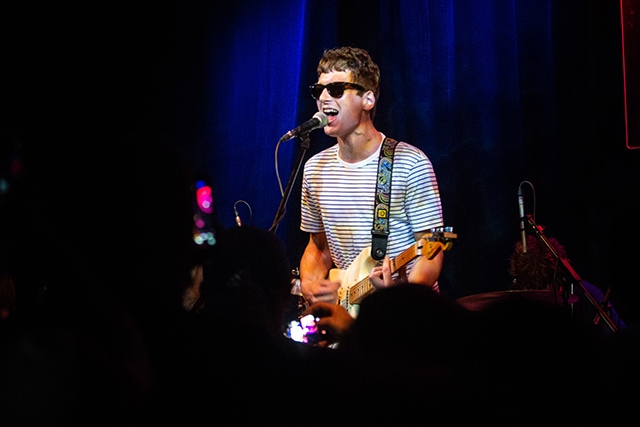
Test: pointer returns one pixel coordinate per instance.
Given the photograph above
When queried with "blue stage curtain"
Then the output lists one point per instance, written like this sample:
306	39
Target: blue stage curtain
496	92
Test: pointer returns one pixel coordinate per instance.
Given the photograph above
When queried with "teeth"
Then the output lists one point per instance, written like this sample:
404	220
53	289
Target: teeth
330	112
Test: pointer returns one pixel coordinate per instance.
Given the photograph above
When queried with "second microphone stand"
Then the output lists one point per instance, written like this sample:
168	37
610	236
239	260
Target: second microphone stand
575	279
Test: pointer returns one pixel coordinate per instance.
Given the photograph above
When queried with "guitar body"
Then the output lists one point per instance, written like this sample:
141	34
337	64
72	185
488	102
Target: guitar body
354	281
358	272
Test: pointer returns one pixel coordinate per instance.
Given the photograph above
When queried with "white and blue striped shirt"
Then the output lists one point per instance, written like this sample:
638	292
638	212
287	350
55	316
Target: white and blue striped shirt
338	197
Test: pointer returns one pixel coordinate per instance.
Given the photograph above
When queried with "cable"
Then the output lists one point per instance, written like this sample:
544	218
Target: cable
277	168
237	215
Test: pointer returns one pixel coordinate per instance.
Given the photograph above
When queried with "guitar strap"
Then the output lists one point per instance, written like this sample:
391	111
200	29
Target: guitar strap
380	230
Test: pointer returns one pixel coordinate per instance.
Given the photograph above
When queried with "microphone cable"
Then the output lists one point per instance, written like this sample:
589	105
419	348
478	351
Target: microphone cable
237	215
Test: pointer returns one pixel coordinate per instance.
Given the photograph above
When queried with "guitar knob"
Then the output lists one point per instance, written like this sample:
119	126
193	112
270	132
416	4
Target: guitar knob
295	287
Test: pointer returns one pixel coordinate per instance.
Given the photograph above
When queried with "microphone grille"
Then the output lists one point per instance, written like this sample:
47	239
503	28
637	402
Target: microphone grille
324	119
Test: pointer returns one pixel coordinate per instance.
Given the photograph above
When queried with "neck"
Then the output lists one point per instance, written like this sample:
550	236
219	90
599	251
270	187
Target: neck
359	145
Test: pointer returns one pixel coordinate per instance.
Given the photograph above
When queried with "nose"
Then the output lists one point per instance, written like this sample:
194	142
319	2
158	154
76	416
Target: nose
324	95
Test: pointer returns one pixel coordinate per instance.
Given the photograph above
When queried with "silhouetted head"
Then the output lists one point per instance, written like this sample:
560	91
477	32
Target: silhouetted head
248	277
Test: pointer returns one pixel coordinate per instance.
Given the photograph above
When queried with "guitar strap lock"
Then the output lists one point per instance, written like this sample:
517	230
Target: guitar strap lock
378	245
380	230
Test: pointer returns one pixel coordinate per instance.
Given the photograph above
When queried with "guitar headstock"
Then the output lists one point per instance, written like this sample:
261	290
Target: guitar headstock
438	238
440	234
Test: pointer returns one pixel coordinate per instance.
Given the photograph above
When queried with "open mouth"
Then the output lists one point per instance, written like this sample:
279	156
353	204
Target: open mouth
330	112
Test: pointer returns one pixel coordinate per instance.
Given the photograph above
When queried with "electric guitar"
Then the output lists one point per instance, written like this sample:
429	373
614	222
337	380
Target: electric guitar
355	284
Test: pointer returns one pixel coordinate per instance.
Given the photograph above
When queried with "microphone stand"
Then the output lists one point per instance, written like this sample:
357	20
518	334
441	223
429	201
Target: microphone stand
537	230
304	146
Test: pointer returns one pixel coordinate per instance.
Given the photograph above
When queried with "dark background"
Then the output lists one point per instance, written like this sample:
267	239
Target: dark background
495	92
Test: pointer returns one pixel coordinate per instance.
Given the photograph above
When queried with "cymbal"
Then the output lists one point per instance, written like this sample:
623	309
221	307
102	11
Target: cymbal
480	302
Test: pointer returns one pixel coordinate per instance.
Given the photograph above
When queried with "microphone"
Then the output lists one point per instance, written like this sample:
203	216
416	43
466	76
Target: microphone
319	120
522	233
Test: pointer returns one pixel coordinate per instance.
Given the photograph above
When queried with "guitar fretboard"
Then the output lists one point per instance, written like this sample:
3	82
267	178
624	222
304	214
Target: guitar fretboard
403	259
364	286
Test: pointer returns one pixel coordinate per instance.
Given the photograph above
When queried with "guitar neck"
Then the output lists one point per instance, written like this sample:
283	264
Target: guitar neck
404	258
364	286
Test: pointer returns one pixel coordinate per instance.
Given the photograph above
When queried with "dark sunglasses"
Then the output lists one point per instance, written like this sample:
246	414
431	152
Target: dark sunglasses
335	89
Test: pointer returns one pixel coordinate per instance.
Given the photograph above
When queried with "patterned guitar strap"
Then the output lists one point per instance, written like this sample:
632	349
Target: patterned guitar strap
380	230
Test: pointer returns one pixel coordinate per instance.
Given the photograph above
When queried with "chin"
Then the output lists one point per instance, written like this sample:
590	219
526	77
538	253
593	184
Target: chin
331	130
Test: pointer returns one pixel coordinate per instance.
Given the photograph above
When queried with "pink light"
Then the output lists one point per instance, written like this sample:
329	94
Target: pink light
204	198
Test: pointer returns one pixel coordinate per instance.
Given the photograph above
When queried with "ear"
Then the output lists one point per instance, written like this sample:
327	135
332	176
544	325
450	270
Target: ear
368	100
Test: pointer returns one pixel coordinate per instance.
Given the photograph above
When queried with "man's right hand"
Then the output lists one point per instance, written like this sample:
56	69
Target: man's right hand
323	290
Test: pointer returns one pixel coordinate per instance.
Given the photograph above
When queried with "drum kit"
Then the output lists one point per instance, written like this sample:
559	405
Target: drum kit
481	302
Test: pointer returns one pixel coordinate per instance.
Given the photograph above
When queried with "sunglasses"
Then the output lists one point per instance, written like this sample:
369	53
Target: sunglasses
335	89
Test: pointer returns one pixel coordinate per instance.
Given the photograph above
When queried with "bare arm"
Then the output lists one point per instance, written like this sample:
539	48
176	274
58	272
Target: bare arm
427	271
314	267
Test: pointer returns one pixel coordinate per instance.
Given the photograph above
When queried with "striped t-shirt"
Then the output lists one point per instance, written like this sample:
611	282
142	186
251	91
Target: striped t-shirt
338	198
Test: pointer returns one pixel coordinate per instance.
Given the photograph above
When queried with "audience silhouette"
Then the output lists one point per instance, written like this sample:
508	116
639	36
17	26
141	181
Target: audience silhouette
99	250
244	299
